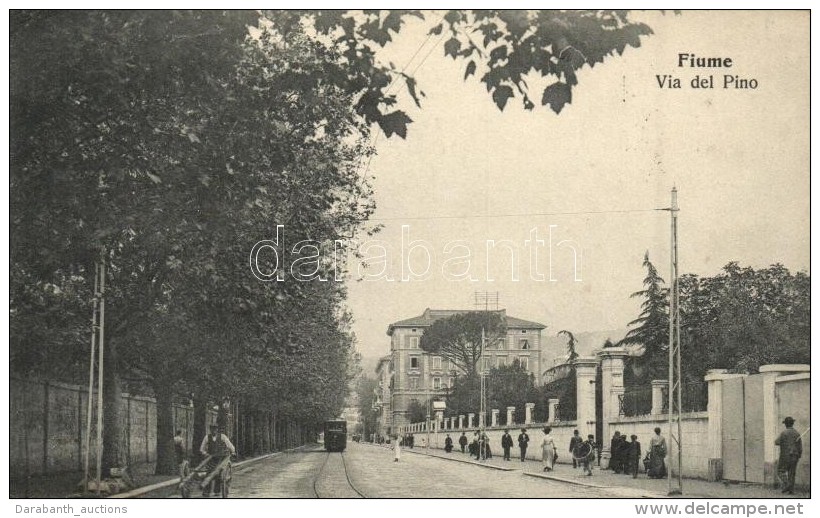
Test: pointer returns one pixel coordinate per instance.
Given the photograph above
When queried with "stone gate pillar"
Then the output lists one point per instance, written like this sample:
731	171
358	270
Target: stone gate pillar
714	409
461	421
585	368
482	419
494	418
528	408
470	419
510	415
612	387
658	387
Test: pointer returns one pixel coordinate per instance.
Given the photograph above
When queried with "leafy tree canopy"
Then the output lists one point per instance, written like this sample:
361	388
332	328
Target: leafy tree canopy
739	319
459	337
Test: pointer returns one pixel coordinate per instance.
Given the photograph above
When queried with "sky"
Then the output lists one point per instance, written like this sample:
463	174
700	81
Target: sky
592	176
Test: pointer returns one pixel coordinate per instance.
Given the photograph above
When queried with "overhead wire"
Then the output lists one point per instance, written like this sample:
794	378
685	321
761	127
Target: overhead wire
513	215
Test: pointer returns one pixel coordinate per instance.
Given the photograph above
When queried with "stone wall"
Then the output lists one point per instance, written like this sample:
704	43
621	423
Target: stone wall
47	427
793	396
561	433
694	433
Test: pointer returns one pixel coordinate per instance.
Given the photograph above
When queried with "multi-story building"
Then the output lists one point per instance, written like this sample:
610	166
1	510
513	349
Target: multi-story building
416	375
384	373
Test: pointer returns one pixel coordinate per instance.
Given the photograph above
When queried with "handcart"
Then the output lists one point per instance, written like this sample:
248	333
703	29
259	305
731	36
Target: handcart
202	476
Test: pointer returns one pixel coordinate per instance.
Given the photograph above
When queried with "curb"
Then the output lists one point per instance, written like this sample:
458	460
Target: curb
490	466
168	483
636	493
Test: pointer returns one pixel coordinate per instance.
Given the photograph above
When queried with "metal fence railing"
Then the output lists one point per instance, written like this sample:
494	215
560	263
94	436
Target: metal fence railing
638	401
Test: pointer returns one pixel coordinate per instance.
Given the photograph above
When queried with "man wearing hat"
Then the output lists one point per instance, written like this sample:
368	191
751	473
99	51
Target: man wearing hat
218	446
523	441
506	443
587	454
791	449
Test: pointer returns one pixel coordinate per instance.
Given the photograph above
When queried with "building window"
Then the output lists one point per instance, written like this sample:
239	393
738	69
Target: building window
523	343
437	362
523	331
414	362
524	361
502	343
414	342
414	383
502	361
436	383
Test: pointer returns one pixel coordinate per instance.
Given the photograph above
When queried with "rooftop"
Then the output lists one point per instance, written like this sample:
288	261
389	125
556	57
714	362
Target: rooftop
429	316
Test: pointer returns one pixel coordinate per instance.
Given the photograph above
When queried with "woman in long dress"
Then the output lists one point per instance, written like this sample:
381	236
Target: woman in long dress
548	450
396	449
657	454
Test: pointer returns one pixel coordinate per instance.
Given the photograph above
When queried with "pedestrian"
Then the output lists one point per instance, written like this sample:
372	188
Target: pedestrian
423	442
587	454
791	449
523	441
548	450
216	446
633	456
462	441
477	446
506	443
484	445
448	444
614	443
657	454
623	447
412	441
396	450
180	453
574	444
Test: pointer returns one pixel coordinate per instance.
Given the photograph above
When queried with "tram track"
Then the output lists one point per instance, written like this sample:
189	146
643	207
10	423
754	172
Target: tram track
330	484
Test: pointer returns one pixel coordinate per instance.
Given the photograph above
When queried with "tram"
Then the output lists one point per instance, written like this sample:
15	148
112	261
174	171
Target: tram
335	435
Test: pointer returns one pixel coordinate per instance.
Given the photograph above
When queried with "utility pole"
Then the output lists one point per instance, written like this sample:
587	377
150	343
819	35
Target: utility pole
89	410
674	395
97	344
487	298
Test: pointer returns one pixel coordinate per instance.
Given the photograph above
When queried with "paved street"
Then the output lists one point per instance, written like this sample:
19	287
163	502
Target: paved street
312	473
373	472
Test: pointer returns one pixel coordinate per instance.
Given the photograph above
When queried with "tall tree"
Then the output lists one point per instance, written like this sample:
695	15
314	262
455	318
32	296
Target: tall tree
572	354
172	140
459	337
650	331
511	385
743	318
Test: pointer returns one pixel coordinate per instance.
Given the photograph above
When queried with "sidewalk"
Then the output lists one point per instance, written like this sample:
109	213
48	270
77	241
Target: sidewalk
67	485
641	487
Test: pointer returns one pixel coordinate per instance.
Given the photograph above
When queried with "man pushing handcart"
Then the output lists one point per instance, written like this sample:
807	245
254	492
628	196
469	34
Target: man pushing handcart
214	473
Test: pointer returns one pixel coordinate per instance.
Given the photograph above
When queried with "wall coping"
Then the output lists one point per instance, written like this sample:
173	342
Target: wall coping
793	377
785	367
585	361
720	376
531	426
660	418
613	352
